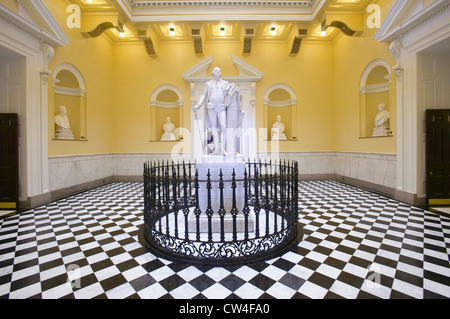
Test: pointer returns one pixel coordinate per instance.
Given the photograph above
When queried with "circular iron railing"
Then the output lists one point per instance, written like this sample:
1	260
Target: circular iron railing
220	216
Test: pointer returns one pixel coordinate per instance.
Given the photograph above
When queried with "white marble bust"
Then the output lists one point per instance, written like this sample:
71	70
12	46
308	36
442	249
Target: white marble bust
63	131
381	121
278	128
168	127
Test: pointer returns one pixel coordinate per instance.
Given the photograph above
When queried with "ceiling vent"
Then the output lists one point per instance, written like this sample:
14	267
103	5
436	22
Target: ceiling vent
197	39
148	42
249	34
296	43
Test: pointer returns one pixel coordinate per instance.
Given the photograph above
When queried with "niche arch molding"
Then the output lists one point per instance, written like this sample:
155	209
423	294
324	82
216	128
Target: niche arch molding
286	106
284	87
373	88
372	94
161	109
166	87
72	69
73	98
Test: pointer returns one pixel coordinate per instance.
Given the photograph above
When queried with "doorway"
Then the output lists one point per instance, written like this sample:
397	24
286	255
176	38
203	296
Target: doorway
9	163
434	98
438	157
12	111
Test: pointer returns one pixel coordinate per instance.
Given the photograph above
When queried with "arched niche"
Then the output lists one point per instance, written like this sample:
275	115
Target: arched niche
374	90
281	100
70	91
166	101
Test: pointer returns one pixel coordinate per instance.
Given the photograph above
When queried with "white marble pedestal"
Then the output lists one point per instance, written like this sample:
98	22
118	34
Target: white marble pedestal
214	164
380	131
63	134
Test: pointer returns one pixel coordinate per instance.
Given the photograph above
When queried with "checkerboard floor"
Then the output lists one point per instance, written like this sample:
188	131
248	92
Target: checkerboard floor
356	245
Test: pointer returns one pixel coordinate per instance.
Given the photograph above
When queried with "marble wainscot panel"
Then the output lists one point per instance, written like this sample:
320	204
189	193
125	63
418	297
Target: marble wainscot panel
130	165
373	170
312	165
69	174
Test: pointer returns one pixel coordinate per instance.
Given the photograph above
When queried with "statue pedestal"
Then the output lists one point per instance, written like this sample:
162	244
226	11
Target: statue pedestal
168	137
214	164
278	135
380	131
63	134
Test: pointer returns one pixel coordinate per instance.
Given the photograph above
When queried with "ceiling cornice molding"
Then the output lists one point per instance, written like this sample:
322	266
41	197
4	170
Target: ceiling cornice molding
226	17
405	17
172	4
156	11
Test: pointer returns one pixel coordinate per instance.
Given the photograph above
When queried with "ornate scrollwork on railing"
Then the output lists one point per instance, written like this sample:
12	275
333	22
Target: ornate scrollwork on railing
178	225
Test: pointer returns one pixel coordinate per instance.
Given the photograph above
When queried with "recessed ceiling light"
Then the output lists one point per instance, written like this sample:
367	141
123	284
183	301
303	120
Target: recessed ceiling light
222	30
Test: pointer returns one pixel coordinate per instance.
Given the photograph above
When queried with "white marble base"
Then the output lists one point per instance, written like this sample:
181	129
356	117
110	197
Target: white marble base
214	169
168	137
380	131
64	134
220	159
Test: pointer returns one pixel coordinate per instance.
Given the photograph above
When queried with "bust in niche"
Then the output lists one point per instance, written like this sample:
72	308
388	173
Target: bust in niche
278	129
382	121
63	131
168	128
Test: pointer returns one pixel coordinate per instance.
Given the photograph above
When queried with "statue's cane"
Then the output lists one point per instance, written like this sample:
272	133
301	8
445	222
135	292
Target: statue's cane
199	131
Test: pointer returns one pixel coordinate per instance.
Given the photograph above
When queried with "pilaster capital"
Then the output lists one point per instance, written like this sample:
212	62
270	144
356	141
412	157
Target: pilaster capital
398	69
396	49
47	54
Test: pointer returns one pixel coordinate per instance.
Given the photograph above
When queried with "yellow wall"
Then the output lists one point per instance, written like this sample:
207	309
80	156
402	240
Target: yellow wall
12	4
351	55
137	75
308	74
94	59
121	78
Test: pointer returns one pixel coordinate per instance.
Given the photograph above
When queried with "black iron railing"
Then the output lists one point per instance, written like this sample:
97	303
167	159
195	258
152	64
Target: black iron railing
230	219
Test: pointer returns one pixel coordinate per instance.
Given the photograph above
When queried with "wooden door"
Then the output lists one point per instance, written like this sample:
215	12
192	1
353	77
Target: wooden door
438	154
9	161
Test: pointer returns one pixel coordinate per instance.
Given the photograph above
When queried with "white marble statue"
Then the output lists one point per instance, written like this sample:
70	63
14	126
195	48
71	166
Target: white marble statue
168	127
218	96
63	131
381	121
278	129
234	119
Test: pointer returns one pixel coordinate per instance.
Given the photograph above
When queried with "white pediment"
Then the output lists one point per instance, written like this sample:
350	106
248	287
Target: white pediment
246	71
198	70
34	18
407	15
